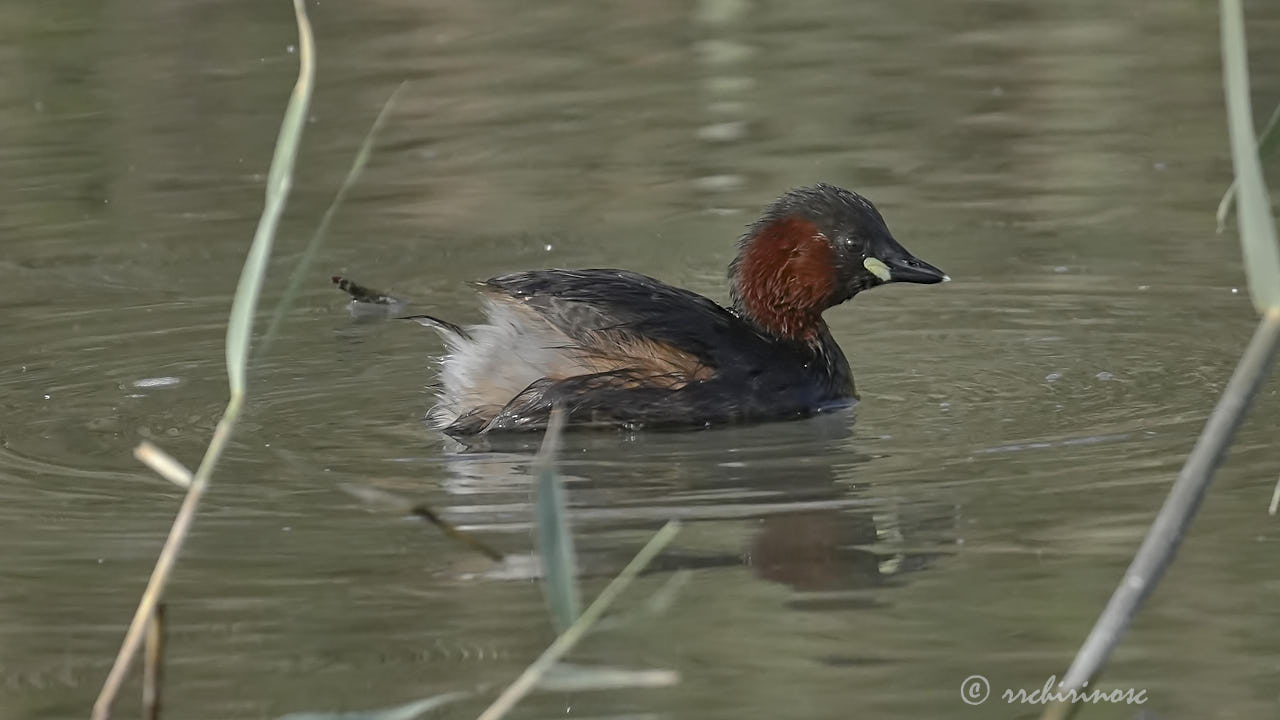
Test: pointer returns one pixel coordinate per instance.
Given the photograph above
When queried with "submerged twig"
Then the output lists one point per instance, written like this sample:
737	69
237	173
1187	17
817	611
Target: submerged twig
239	331
153	665
1180	506
395	503
462	536
570	637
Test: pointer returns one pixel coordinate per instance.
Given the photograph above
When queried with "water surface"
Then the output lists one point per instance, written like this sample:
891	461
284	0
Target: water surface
1018	429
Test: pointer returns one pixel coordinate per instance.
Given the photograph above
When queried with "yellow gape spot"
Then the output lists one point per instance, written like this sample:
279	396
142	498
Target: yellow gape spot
877	268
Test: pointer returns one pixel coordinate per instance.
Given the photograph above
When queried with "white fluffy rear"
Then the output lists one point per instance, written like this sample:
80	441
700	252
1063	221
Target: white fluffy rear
499	359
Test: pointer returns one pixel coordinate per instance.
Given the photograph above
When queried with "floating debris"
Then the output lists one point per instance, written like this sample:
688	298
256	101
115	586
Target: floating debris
362	294
366	301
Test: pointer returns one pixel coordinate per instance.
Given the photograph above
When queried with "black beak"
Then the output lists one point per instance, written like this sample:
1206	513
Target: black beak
913	270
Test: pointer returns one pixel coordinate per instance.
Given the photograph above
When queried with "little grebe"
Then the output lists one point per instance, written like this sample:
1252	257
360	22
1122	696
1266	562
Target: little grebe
618	348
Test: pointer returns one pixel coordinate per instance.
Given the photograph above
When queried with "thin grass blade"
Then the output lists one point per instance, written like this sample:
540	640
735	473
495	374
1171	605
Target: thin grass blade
1262	258
378	498
153	665
1180	506
299	274
239	327
408	711
1253	206
569	638
1266	143
555	539
279	182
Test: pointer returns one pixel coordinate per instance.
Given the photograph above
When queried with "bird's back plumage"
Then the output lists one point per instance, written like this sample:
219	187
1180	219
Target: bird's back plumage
618	348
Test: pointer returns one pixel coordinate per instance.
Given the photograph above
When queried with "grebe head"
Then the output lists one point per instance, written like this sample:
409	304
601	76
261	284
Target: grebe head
814	248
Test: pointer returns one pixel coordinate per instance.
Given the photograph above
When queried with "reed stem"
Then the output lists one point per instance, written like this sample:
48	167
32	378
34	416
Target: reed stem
239	332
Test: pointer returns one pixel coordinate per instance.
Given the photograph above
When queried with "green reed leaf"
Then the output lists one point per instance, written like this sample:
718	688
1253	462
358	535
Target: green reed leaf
555	540
1253	206
568	639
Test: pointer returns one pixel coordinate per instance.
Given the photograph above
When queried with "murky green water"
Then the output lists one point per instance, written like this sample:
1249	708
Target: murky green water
1019	426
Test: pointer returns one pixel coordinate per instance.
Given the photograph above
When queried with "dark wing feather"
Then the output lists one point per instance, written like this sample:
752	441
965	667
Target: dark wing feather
585	303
